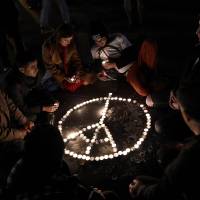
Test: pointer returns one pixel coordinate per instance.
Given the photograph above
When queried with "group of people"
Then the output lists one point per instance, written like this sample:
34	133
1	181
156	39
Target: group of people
27	104
28	101
181	131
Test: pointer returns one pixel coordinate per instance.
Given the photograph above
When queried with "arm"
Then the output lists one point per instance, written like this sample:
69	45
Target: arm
123	41
8	133
53	68
128	56
177	180
16	93
95	52
75	60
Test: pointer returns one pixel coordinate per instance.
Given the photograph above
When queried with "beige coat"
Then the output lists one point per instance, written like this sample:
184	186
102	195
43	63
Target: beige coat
9	112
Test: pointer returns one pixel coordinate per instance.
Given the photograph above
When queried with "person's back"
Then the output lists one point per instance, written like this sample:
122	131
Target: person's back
41	172
180	177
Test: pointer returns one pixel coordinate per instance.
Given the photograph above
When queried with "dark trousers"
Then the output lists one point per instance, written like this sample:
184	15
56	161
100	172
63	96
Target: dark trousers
10	152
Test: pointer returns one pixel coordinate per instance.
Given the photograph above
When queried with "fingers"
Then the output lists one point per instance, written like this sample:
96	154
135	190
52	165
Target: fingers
132	188
53	108
134	185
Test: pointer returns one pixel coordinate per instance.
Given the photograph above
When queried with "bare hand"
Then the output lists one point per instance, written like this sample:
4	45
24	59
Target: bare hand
173	101
51	109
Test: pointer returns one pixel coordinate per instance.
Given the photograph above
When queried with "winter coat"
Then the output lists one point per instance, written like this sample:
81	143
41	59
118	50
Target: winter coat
8	114
19	87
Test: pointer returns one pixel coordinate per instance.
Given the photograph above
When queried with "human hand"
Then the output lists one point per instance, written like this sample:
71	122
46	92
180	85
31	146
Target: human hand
134	187
108	65
173	101
52	108
29	126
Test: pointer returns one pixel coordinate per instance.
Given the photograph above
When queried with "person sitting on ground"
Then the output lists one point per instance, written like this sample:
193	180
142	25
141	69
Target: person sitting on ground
24	87
14	126
141	76
62	60
170	123
191	68
113	54
178	180
42	173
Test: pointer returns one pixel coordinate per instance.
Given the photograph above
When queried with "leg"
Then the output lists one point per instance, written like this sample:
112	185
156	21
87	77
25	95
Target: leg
44	16
140	8
128	10
64	10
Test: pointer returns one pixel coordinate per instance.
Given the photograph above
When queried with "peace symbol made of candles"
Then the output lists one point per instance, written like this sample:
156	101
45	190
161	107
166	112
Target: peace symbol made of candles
100	126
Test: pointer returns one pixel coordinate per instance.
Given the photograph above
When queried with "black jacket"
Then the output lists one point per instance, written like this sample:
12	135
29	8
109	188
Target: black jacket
181	177
19	88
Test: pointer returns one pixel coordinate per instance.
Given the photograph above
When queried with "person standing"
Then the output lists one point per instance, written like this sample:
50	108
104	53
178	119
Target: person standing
47	7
